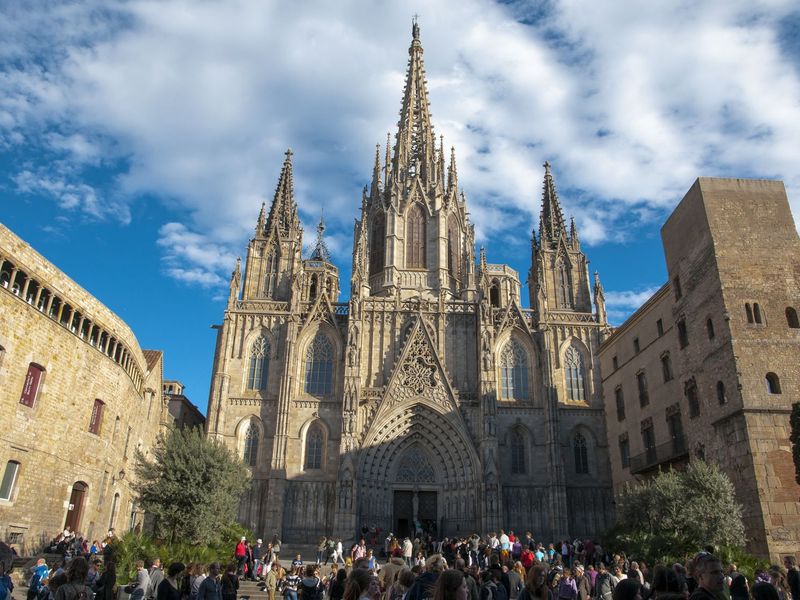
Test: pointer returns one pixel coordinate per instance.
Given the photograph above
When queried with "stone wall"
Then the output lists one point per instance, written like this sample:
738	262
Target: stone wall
51	439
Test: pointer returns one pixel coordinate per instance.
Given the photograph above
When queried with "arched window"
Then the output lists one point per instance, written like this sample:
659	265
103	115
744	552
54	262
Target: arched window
259	364
710	329
271	278
514	371
377	244
773	383
314	441
494	294
791	318
574	374
313	290
251	440
453	261
721	393
581	455
517	452
319	366
415	238
564	286
757	313
749	311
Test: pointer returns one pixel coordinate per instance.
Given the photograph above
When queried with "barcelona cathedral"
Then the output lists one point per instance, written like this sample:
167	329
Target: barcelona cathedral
431	400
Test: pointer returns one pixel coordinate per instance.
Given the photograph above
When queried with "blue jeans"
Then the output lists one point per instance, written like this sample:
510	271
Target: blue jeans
290	594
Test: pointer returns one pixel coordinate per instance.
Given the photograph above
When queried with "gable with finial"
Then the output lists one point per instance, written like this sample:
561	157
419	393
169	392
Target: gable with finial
322	310
418	374
510	318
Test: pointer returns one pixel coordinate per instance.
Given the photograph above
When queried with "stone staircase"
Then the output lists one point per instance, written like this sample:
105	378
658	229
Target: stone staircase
250	590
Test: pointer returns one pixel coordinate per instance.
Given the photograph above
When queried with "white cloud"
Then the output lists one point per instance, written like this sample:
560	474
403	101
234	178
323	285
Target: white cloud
196	102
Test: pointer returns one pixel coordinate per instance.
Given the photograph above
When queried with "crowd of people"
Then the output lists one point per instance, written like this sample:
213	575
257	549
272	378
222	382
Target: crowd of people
493	567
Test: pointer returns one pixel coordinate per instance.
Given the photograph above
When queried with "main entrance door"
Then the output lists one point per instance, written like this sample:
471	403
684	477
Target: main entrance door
414	510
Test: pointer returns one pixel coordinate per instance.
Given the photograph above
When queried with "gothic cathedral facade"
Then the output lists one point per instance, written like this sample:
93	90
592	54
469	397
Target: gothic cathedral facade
431	399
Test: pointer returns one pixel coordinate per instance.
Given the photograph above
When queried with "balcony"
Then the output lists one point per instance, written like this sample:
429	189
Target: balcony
668	452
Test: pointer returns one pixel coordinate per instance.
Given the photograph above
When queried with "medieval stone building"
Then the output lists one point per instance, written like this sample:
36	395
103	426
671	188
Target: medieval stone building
431	398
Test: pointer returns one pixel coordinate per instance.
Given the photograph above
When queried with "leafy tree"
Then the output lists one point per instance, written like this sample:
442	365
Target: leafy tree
677	513
794	436
191	486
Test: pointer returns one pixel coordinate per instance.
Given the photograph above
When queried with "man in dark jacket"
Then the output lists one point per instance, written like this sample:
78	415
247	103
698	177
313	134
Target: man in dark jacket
710	577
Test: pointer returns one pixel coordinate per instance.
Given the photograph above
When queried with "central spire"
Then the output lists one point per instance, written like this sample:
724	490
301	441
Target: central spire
414	153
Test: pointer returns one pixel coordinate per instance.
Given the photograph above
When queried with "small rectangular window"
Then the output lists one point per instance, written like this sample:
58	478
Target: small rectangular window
625	452
620	400
641	382
660	327
30	389
636	345
614	363
9	479
666	367
97	417
676	285
683	335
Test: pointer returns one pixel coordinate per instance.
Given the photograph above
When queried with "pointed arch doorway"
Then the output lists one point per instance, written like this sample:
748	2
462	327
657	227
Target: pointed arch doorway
418	457
415	506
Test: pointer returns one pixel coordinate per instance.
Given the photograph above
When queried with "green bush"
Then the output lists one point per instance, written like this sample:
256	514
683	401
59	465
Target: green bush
138	546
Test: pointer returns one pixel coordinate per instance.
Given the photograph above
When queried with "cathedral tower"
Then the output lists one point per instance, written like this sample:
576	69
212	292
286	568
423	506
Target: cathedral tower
418	235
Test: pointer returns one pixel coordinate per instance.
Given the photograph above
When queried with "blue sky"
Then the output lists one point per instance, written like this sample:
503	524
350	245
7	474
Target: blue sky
139	138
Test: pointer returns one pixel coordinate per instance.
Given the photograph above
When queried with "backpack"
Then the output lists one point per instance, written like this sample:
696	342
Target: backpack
565	590
310	592
80	594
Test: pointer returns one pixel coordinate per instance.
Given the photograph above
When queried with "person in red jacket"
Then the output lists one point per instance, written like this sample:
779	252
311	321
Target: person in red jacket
241	557
527	557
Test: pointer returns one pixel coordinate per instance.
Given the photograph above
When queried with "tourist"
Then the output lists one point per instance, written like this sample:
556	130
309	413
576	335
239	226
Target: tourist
582	583
492	588
186	581
276	546
512	581
739	589
291	582
338	553
38	581
627	589
451	585
322	547
139	589
420	560
710	577
169	588
272	580
777	578
361	584
198	576
210	588
74	587
567	587
390	570
604	584
336	589
527	558
359	550
423	586
229	583
297	562
156	577
241	556
408	549
763	590
311	585
792	576
257	551
6	585
535	587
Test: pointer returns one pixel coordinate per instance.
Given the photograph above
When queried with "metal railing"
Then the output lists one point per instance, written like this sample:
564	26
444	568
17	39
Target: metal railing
657	455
